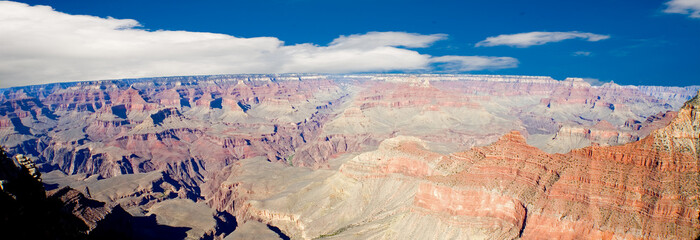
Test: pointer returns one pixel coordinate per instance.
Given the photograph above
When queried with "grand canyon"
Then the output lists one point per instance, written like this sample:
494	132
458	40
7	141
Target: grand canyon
355	156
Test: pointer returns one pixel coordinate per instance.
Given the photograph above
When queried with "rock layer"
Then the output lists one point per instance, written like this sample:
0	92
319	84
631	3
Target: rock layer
378	155
509	189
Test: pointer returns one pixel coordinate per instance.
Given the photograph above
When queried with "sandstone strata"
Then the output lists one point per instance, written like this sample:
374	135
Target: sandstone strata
143	142
509	189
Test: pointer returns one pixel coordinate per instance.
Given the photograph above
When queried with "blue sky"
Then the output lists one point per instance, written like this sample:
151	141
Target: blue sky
629	42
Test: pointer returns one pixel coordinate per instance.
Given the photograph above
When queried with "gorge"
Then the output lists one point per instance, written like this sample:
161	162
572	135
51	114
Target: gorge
366	156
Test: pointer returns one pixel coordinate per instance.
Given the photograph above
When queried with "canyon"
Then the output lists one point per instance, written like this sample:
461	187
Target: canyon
366	156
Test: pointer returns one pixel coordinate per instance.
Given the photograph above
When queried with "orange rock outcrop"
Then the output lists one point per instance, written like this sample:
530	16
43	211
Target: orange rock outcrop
646	189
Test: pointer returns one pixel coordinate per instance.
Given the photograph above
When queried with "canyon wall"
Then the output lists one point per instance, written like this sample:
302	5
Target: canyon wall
237	141
641	190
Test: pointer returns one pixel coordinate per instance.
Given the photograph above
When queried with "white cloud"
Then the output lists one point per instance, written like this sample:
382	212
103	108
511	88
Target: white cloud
581	53
380	39
40	45
472	63
537	38
691	7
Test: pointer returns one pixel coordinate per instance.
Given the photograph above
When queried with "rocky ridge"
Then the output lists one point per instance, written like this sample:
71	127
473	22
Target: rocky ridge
509	189
140	143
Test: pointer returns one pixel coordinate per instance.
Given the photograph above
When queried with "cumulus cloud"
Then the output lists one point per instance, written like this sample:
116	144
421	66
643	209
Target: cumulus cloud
472	63
690	7
40	45
528	39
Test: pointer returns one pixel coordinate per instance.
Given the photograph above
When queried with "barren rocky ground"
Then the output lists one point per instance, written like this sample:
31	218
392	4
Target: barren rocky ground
376	156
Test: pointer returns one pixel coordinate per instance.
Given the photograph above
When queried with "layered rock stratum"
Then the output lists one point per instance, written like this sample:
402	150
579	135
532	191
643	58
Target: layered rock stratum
404	190
366	156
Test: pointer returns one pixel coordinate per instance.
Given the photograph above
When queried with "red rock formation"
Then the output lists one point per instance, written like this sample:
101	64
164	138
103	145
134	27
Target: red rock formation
110	104
641	190
652	122
85	98
132	100
168	98
106	129
231	103
402	95
645	189
204	101
482	209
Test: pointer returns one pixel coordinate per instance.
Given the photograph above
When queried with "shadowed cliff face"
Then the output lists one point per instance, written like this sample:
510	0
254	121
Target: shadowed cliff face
145	144
26	212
